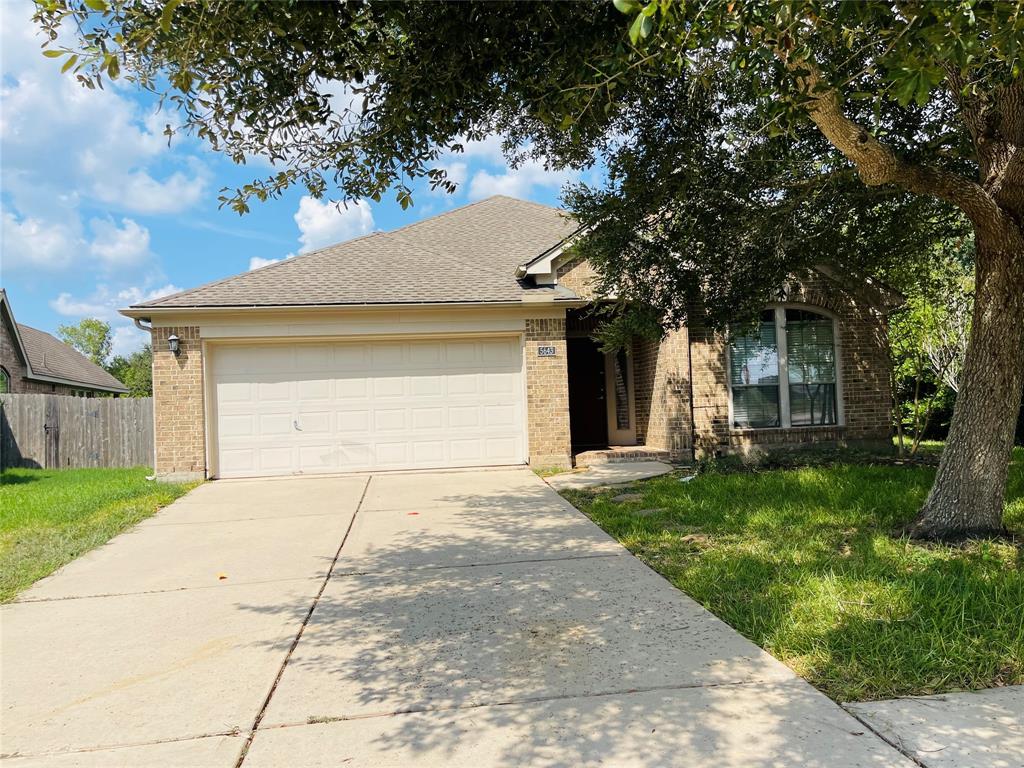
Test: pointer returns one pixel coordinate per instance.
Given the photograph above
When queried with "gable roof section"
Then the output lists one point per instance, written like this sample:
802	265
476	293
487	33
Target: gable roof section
466	256
46	358
52	359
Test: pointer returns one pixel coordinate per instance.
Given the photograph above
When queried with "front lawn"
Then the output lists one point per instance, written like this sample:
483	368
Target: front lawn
50	517
804	563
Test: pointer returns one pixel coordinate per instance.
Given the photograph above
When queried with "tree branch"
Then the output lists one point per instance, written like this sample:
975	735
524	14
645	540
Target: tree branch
878	164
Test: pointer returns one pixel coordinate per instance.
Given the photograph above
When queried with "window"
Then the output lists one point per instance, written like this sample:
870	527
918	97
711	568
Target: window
783	372
5	381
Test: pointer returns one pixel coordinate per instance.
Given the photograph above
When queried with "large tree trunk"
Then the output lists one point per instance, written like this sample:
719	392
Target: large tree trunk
967	497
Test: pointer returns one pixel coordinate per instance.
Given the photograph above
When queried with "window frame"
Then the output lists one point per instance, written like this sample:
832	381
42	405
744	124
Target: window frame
7	377
785	417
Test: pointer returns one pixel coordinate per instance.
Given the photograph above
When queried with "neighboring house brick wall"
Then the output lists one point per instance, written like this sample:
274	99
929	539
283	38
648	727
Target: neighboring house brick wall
547	394
864	371
11	360
178	409
579	277
661	370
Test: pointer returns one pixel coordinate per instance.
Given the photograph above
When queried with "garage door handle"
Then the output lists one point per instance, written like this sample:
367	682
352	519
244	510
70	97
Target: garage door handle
296	423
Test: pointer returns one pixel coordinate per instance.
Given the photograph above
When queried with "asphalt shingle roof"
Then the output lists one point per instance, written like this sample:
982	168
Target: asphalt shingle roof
49	356
469	254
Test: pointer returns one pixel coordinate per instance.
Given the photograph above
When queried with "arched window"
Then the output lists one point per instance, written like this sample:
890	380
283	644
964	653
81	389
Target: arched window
783	373
5	381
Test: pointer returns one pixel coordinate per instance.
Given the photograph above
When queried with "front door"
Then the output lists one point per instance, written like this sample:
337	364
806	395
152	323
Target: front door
588	409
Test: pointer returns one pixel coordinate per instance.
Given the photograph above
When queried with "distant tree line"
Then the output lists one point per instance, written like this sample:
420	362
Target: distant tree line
93	338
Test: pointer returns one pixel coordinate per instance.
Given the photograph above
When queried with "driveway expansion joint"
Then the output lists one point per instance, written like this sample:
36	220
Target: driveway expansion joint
412	568
233	732
298	635
318	720
896	743
168	590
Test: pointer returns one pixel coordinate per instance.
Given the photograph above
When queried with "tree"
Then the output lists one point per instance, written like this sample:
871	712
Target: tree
91	337
927	337
812	124
134	371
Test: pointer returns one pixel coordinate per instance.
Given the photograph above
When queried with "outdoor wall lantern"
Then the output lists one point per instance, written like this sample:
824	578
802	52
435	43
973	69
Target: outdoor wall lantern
174	345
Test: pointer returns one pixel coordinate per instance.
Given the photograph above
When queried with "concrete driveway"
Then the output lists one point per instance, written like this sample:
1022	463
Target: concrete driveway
456	618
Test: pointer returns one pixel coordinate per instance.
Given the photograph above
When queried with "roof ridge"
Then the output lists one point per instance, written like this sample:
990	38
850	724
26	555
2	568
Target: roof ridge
443	214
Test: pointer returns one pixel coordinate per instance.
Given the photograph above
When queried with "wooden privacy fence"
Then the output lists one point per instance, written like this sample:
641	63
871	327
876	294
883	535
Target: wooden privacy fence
61	432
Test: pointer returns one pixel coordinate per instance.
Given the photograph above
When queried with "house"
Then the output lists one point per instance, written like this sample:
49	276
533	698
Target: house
33	361
464	340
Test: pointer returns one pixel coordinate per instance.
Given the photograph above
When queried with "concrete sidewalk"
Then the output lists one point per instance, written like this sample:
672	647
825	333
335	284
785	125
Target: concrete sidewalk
470	618
953	730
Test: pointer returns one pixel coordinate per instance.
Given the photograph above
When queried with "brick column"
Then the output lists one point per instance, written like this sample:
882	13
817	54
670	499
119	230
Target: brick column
178	413
547	394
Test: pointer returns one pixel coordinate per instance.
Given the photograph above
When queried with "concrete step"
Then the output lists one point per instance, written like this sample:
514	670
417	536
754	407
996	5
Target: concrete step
621	454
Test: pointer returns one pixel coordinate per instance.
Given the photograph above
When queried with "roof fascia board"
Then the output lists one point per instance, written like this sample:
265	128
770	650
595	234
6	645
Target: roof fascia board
145	312
78	384
6	304
541	264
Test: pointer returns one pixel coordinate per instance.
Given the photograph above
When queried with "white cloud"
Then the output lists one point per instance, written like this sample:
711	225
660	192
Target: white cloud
256	262
139	192
125	339
517	182
33	244
104	303
119	247
65	147
324	223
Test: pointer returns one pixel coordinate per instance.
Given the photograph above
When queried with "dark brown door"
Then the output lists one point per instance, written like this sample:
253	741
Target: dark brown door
588	413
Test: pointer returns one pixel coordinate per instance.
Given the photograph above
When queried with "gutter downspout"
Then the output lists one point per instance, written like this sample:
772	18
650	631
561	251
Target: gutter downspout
139	324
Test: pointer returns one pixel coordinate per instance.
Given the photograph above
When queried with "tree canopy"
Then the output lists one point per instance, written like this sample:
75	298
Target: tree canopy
91	337
743	140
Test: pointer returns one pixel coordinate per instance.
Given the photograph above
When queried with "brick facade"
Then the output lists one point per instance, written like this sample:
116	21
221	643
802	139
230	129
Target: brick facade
579	277
178	408
547	394
680	382
864	375
661	372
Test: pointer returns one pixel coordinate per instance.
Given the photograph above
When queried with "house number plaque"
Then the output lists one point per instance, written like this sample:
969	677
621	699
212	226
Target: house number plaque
545	351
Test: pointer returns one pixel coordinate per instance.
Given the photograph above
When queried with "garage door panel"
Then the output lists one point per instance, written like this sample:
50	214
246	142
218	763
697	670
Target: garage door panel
496	447
426	386
314	389
389	386
313	358
500	415
390	420
464	416
318	457
427	418
394	454
385	356
314	422
499	383
275	458
234	391
425	354
368	405
353	422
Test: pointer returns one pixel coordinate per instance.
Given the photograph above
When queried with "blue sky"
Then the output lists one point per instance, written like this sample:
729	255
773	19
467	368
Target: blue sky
98	212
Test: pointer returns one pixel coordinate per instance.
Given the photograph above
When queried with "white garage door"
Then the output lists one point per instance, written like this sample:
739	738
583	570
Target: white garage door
335	407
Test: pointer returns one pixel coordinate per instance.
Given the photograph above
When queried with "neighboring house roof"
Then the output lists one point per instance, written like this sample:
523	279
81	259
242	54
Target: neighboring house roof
468	255
46	358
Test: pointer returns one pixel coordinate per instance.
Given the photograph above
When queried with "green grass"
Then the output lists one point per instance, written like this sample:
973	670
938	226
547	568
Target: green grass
50	517
805	563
